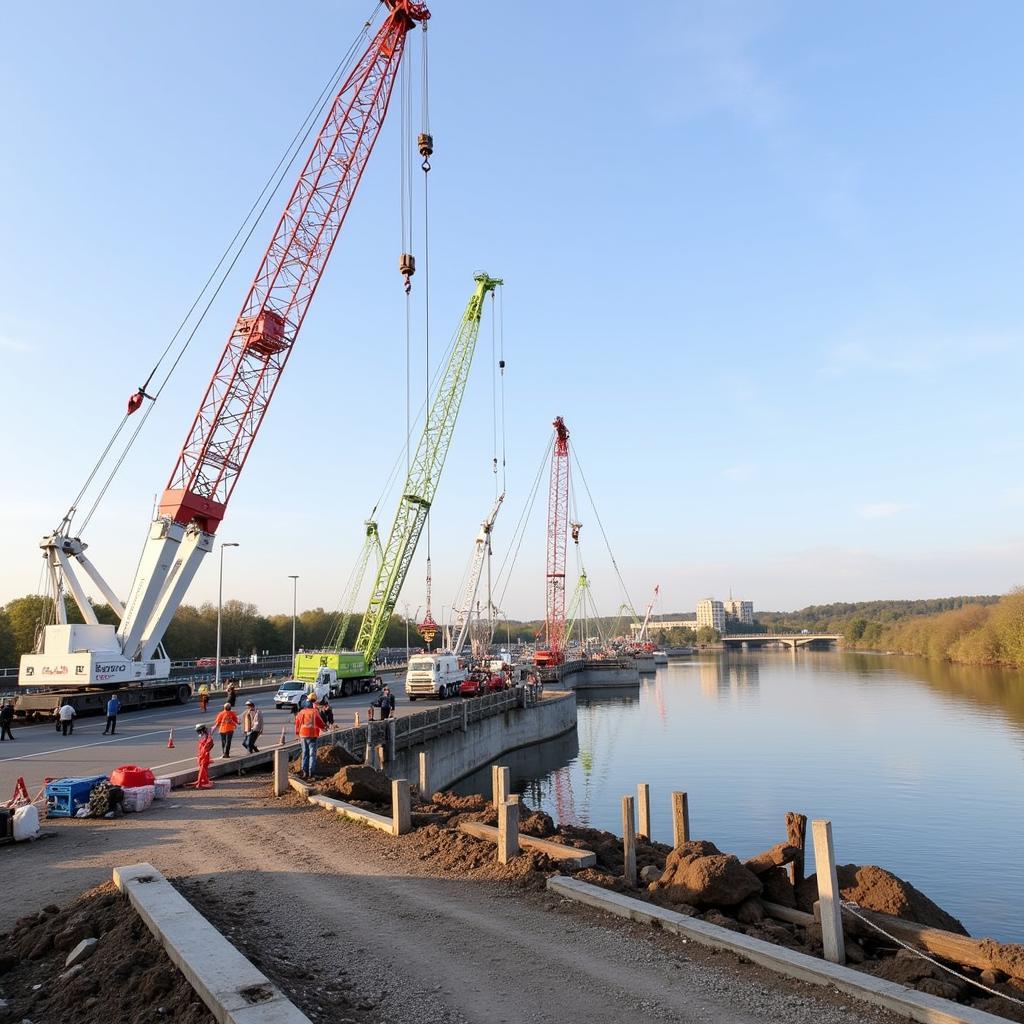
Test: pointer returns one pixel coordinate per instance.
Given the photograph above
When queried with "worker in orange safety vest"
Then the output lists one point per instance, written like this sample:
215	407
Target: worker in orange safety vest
204	749
226	723
308	726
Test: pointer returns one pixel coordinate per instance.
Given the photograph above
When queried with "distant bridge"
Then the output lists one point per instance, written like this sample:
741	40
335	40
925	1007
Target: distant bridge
792	640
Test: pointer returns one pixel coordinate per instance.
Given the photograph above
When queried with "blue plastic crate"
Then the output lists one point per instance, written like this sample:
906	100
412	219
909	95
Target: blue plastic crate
65	796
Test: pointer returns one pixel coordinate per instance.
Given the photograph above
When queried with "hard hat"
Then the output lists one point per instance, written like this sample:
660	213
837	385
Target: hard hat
200	727
249	704
227	707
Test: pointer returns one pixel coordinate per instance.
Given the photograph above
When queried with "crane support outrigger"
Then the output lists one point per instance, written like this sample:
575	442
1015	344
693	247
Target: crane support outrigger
234	404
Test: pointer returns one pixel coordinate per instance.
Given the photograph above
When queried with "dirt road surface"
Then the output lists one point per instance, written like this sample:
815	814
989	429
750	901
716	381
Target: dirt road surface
356	928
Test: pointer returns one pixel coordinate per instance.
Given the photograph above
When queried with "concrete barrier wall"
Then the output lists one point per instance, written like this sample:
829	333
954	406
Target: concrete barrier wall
459	753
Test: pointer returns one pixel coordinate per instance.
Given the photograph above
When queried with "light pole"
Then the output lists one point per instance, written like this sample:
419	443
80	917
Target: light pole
220	603
295	595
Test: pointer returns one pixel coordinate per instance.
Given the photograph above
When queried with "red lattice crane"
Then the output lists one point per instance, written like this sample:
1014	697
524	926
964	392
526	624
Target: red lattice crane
558	518
239	393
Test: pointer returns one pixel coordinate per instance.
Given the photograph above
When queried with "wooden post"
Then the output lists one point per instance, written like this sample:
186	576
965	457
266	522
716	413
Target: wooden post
508	830
424	781
680	819
280	771
628	842
828	892
356	724
499	785
796	835
643	810
401	808
378	757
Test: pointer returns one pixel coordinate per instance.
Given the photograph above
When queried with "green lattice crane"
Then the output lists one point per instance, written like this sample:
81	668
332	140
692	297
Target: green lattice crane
371	546
424	474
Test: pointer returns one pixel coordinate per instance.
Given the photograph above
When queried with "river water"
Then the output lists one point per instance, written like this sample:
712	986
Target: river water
919	765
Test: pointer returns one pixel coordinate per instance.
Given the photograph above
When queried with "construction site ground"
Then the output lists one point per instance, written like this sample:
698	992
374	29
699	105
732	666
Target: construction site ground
359	926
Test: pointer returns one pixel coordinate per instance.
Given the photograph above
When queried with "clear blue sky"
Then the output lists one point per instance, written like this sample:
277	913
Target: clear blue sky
765	258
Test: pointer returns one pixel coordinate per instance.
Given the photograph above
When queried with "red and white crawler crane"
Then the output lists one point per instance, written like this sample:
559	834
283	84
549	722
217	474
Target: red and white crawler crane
558	518
234	404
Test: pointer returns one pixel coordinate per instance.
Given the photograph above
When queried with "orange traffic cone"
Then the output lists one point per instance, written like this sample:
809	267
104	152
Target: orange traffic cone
170	740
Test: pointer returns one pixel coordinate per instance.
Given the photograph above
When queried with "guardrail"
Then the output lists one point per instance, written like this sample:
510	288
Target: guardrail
397	734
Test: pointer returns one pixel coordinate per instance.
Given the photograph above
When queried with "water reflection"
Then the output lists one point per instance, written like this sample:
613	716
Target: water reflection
898	753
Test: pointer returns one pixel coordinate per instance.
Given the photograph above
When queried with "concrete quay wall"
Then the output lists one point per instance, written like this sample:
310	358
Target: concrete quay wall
457	754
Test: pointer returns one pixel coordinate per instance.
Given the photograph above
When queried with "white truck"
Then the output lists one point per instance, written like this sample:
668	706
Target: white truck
434	675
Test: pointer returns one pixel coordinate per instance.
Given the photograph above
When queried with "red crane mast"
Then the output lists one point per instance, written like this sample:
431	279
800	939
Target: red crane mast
558	518
261	341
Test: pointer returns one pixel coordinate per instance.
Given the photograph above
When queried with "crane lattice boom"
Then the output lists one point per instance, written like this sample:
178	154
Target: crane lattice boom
558	518
424	474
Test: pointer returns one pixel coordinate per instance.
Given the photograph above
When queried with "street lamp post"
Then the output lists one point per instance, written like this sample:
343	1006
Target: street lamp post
220	604
295	594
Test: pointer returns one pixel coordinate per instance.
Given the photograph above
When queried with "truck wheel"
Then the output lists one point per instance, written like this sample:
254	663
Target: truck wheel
346	688
411	698
184	694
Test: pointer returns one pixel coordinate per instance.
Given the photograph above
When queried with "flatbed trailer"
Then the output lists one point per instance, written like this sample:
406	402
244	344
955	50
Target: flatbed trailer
93	700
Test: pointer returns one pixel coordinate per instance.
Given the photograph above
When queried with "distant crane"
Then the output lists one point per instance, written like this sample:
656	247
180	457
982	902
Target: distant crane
481	552
558	518
235	402
641	637
371	547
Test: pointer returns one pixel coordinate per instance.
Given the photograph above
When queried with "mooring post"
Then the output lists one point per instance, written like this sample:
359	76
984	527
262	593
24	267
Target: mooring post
508	830
401	808
628	842
424	781
680	819
280	771
796	835
378	757
499	785
643	810
828	892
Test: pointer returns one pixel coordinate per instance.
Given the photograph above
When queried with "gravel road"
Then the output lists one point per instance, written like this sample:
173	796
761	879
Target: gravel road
357	928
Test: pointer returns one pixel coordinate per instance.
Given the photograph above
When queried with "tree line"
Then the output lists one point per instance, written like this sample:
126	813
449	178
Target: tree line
193	630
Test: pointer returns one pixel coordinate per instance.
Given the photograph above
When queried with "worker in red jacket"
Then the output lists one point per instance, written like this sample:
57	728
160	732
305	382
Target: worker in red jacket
204	748
308	726
226	723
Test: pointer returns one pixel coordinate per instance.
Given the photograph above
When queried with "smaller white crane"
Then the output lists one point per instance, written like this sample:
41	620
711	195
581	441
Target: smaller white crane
641	637
481	550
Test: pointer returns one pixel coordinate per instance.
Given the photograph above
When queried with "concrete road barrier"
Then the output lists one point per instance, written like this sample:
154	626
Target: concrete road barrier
230	985
907	1002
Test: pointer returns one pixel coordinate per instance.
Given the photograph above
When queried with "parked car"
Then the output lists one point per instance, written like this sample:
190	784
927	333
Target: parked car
480	681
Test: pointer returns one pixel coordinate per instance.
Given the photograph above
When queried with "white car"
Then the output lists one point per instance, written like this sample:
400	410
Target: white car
292	691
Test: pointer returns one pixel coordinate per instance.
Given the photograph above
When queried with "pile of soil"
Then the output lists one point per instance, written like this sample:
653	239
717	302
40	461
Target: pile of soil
329	760
874	888
128	978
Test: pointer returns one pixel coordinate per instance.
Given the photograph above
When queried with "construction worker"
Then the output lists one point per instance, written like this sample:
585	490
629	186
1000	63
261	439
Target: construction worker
252	726
6	717
231	692
113	710
226	723
66	714
204	697
386	703
204	748
308	726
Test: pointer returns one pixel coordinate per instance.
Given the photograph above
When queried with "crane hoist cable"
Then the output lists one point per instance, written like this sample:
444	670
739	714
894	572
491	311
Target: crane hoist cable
266	195
597	516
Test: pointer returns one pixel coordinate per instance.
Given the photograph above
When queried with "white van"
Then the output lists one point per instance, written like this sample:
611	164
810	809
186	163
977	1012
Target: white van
433	675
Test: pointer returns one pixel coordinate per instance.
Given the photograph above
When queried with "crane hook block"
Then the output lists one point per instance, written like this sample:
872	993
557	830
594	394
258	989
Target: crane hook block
501	364
425	143
407	264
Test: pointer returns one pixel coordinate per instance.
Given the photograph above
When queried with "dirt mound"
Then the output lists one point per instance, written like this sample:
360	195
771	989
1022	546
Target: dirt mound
358	782
697	874
874	888
608	848
468	857
127	978
329	761
459	804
